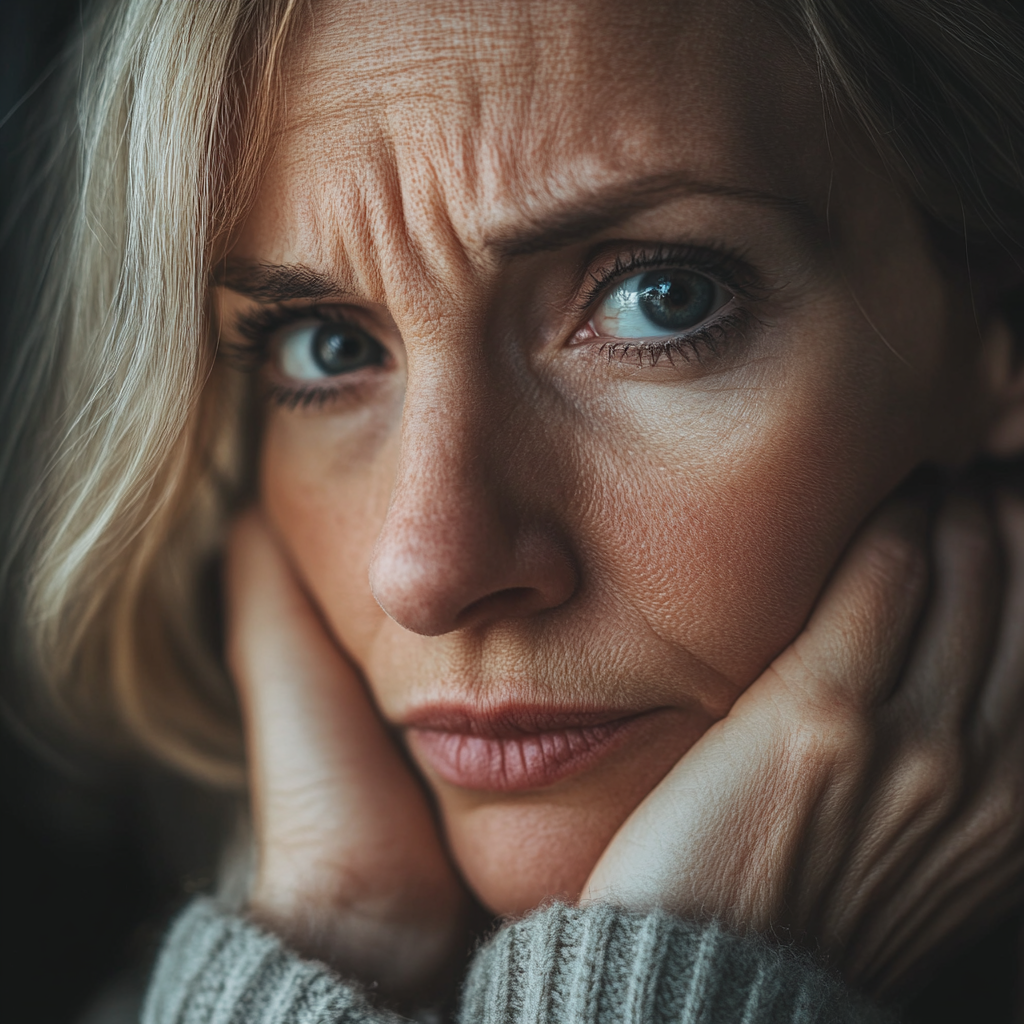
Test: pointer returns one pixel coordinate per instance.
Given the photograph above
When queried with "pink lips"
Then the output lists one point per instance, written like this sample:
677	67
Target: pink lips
514	749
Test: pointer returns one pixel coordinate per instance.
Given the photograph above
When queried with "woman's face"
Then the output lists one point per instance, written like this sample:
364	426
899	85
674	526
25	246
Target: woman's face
589	342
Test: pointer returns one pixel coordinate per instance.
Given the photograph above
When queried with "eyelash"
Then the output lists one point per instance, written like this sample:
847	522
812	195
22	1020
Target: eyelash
701	340
256	327
731	272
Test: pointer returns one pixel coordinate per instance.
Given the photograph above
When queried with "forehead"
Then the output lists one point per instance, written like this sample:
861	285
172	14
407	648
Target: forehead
486	114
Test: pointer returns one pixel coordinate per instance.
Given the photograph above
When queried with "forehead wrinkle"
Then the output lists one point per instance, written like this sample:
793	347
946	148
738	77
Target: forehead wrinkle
423	232
438	62
440	169
385	229
454	115
413	171
470	74
391	225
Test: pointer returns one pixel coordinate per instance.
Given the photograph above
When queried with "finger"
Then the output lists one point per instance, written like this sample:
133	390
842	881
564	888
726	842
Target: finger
972	875
920	727
1001	709
911	817
956	639
856	641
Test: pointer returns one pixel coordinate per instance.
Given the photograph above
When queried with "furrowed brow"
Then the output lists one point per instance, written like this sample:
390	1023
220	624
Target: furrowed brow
607	207
270	282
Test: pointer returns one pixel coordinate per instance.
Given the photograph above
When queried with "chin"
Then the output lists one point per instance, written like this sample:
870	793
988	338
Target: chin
519	850
516	857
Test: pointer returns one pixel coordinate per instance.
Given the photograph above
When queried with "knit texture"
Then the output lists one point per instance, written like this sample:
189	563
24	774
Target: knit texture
559	965
218	968
599	965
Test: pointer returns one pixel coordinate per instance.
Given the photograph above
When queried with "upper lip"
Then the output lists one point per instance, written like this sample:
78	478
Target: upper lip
511	720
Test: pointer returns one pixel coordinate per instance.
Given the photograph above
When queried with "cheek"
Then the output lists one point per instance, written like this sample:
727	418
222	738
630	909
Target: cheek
326	502
723	540
730	572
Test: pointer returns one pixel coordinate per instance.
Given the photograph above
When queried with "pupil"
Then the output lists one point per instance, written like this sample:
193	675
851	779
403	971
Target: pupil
340	349
675	299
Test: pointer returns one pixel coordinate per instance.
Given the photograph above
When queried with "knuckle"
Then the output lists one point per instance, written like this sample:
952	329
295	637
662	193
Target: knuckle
826	740
897	562
818	686
999	818
807	744
933	778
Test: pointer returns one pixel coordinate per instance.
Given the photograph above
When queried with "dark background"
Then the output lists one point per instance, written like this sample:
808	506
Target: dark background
95	855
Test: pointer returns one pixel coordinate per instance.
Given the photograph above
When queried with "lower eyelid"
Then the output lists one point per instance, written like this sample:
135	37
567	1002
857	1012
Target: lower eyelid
306	395
707	339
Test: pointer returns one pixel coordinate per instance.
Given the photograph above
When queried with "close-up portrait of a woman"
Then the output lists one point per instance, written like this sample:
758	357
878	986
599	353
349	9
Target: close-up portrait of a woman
512	511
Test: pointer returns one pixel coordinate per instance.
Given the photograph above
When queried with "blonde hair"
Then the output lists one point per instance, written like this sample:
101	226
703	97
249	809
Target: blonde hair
131	427
126	440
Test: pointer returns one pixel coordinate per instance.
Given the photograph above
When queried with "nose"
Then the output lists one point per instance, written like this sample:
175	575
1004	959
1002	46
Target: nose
464	542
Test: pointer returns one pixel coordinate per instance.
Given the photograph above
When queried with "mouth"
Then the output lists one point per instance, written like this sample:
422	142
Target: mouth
515	749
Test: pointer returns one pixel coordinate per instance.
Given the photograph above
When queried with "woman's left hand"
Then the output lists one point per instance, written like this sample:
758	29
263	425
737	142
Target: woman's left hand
866	794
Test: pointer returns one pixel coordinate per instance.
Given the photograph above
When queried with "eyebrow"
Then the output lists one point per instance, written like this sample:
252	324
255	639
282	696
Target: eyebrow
607	207
603	209
271	282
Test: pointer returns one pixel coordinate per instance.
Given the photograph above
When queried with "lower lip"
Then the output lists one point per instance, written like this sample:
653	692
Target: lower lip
522	762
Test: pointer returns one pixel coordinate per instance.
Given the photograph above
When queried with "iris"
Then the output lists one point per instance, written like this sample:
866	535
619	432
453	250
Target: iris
675	300
337	348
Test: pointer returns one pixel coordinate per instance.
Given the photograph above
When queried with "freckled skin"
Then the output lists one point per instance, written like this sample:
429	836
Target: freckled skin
502	513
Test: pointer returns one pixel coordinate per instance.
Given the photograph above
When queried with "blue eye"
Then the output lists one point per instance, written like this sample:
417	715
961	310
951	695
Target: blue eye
314	349
657	304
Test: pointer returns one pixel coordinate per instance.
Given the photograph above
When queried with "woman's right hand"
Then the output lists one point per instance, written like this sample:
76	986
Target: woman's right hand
866	794
351	869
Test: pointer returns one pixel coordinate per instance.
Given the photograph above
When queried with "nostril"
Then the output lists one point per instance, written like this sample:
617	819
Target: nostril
511	603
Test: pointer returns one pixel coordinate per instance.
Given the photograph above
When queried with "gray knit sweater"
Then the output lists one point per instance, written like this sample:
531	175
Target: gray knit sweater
559	965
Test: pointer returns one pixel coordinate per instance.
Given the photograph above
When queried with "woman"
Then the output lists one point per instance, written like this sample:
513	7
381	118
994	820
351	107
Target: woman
583	386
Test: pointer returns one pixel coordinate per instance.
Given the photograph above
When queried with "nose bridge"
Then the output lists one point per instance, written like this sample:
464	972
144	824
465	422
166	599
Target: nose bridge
459	379
451	464
452	457
458	544
449	469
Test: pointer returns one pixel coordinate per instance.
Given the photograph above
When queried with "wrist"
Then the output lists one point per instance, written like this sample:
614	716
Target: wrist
393	940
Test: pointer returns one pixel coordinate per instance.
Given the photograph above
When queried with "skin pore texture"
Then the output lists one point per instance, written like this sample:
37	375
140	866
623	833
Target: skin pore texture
506	514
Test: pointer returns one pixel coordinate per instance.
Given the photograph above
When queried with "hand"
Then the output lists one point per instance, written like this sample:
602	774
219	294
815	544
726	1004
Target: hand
350	866
866	794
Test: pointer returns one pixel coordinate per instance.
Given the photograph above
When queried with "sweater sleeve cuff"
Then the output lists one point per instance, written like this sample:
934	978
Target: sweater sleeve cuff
599	965
219	968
